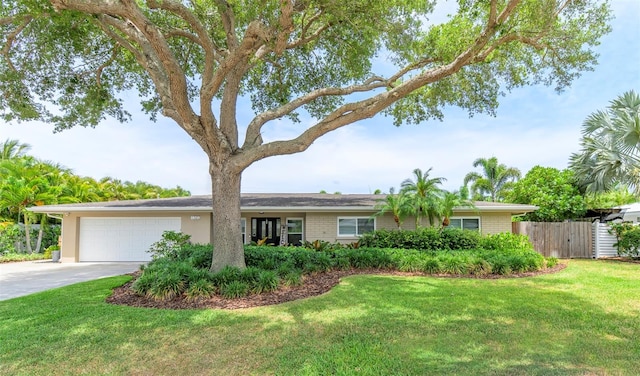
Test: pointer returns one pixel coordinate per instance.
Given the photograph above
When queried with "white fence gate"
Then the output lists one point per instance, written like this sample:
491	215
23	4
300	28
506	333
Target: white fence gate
603	242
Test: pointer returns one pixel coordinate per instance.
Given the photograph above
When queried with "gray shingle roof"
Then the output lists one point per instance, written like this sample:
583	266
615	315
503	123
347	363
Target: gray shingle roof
281	201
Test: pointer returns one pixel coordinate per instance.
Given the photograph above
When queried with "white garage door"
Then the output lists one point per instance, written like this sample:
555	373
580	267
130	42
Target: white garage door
122	239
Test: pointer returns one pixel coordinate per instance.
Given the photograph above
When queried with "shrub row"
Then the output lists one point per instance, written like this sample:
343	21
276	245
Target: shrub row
437	239
186	272
428	239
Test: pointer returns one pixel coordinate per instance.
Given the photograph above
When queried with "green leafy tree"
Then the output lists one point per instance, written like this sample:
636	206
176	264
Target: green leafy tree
26	185
112	189
27	181
555	192
81	189
178	191
610	153
628	236
399	205
425	195
494	182
620	195
71	62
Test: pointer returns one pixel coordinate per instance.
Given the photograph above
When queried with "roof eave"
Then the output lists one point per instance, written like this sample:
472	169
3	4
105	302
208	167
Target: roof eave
520	209
67	209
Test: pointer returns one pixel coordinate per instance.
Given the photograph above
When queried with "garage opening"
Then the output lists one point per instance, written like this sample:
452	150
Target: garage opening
113	239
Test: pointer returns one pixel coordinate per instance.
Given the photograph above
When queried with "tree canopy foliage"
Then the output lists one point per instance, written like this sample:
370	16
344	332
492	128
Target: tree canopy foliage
73	62
555	192
619	195
27	181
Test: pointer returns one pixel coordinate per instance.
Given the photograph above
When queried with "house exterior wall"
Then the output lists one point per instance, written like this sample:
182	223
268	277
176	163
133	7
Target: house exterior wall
324	226
490	223
386	222
198	225
316	225
495	223
321	226
69	238
199	228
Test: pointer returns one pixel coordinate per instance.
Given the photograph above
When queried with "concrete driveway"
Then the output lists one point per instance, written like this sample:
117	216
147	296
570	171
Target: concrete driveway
24	278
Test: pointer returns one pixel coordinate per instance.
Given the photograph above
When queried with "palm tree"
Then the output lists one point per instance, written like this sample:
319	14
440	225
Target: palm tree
11	149
496	179
28	182
452	200
425	195
610	152
19	193
113	189
178	191
81	189
398	205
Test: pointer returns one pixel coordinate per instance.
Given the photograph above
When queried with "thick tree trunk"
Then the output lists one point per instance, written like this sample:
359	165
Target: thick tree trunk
227	236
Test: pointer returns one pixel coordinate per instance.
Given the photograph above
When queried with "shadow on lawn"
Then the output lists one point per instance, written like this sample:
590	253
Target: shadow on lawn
391	325
375	325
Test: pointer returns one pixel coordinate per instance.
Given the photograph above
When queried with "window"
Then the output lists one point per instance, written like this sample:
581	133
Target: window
295	233
355	226
243	230
465	223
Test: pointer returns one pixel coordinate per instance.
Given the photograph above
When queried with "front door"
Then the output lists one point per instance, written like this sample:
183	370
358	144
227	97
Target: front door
267	229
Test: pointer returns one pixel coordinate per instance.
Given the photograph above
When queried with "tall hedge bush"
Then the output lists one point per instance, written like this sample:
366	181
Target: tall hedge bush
425	239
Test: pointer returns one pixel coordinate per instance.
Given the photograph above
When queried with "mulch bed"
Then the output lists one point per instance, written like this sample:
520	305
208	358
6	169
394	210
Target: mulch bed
313	285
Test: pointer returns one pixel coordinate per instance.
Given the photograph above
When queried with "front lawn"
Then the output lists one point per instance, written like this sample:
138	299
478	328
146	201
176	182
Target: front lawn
584	320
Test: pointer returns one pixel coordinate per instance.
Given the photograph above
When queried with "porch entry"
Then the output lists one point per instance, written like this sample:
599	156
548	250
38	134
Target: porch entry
274	230
268	228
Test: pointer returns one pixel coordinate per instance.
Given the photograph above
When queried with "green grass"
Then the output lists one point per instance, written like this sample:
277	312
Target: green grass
584	320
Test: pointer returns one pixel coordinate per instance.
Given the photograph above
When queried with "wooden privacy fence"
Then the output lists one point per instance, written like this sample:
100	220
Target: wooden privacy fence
558	239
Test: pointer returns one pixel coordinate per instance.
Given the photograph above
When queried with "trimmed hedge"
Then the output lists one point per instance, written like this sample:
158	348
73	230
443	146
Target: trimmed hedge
185	271
426	239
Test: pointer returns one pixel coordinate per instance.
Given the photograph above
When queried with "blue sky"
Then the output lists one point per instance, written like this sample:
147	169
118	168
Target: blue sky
533	126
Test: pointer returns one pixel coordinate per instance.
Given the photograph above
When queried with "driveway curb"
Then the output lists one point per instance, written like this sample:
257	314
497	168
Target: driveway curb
28	277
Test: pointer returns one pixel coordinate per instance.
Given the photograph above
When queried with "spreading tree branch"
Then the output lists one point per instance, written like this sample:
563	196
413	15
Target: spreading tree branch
6	50
367	108
214	56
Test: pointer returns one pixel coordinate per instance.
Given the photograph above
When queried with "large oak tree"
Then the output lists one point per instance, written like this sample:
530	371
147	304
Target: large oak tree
71	62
